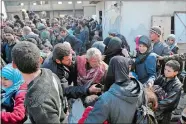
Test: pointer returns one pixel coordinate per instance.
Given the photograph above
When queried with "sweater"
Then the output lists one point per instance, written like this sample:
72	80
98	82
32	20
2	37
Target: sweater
42	101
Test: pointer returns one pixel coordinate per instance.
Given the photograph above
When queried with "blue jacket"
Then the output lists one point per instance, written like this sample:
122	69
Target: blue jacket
84	37
146	71
161	48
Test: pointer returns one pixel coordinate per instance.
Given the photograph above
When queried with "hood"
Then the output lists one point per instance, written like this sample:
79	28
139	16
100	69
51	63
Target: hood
41	27
145	40
129	91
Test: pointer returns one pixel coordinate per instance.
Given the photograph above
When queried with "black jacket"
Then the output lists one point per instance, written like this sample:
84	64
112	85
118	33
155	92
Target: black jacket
66	76
173	90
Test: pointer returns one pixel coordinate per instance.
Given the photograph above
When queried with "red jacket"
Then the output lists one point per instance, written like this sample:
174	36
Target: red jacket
18	114
85	115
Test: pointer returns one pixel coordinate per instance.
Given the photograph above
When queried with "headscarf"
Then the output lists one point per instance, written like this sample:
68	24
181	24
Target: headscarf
118	71
113	48
15	76
142	56
171	46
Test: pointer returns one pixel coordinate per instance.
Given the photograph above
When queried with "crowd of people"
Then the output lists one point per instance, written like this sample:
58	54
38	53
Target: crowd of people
49	65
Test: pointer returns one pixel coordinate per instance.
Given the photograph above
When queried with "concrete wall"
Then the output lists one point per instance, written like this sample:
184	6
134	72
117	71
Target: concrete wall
99	7
89	11
53	5
134	17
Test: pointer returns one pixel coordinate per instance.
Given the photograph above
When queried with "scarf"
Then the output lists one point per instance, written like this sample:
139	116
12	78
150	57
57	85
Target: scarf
15	76
90	76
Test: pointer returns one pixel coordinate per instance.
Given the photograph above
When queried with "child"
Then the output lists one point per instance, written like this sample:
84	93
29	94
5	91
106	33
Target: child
171	42
12	96
145	63
171	91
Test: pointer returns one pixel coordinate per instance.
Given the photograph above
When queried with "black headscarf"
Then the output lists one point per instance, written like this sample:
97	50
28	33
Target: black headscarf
118	71
113	48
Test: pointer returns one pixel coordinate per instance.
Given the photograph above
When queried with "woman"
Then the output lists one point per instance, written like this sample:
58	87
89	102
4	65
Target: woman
90	67
119	103
145	63
12	96
171	42
113	47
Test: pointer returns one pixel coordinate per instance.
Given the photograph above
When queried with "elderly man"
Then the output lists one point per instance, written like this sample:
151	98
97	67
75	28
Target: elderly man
27	33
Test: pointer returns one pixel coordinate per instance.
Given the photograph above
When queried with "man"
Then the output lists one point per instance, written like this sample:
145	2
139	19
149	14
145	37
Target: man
60	62
44	97
74	42
114	33
7	47
84	36
159	47
18	20
27	33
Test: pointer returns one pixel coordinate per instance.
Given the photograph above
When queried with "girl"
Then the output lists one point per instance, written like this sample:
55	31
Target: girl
12	96
171	42
145	63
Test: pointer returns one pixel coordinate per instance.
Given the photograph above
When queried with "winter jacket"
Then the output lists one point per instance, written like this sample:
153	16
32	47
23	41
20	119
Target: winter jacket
7	51
84	37
43	103
66	76
173	89
124	42
118	105
34	36
74	42
161	48
85	115
146	71
17	116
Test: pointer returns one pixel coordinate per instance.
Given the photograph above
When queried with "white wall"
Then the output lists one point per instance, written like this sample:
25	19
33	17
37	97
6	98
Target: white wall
89	11
2	9
99	7
135	16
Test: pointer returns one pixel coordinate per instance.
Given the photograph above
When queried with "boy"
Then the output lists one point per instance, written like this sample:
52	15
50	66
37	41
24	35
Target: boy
43	100
11	41
171	85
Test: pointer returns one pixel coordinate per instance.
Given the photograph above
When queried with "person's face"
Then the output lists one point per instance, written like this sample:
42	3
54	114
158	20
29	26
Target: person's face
32	26
142	48
170	41
153	36
67	60
63	34
94	62
169	72
6	83
9	36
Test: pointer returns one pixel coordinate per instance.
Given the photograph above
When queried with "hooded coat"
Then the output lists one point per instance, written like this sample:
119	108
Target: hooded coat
119	103
113	48
145	64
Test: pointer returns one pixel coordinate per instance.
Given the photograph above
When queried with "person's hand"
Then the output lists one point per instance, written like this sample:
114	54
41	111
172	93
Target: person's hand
160	57
149	84
94	90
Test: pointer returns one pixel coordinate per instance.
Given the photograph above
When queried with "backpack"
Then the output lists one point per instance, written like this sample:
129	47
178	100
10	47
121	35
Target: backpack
144	114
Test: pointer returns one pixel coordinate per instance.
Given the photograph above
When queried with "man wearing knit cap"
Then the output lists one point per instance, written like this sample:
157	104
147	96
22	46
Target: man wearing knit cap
11	41
159	47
